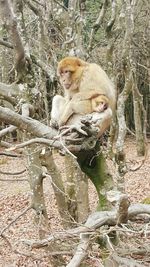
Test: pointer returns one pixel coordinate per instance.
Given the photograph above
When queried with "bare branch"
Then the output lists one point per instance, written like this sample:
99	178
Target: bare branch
34	141
113	16
49	70
97	23
9	92
38	3
26	124
32	7
7	44
8	16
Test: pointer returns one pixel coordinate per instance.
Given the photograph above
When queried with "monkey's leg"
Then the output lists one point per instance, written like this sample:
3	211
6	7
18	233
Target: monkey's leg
75	106
58	104
67	113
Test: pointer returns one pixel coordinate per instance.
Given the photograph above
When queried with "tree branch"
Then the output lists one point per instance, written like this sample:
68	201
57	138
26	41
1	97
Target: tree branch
26	124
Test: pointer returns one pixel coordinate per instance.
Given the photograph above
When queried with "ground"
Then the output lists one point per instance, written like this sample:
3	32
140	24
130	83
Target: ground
15	197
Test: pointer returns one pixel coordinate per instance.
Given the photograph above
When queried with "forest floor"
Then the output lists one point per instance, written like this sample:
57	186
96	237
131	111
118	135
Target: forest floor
15	197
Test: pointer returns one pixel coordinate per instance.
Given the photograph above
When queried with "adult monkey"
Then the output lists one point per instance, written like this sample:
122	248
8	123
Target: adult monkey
88	80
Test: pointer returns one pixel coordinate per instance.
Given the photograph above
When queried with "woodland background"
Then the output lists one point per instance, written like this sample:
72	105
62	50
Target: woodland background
41	226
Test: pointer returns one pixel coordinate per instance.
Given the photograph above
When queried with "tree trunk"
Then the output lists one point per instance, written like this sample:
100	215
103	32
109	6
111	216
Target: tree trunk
57	184
77	189
139	118
36	183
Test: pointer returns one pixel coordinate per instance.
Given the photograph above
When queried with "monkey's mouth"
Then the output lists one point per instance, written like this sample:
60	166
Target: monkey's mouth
67	86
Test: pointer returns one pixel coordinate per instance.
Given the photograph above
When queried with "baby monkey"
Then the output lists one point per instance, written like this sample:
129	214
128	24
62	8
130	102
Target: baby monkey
83	104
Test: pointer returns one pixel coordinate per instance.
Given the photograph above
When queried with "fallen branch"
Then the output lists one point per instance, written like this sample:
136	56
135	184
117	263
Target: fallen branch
93	222
133	251
115	260
81	251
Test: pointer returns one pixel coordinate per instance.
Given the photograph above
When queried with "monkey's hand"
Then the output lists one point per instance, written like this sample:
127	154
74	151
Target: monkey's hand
64	130
54	124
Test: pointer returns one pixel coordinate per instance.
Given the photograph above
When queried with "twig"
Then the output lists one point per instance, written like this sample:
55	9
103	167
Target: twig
57	2
62	192
13	173
13	180
135	251
37	2
142	162
10	155
66	149
109	243
13	221
36	140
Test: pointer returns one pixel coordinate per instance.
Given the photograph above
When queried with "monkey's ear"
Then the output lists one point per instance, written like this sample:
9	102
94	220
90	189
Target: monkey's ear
58	72
80	62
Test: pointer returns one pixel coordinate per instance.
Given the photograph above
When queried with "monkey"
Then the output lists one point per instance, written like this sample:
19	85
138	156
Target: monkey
83	83
76	75
79	104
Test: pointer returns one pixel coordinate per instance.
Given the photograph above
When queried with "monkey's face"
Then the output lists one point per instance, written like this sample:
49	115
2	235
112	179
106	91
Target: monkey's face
70	72
101	103
67	80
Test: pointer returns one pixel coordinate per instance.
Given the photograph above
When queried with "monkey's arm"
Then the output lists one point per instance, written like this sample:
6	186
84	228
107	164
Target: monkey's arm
86	95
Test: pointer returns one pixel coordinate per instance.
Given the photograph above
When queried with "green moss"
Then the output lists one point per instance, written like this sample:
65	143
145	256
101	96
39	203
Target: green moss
94	165
146	200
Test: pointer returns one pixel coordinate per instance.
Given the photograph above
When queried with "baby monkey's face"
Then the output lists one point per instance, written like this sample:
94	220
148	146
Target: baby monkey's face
101	103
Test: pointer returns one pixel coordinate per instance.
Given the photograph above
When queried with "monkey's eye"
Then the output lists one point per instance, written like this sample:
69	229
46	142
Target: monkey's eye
67	72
